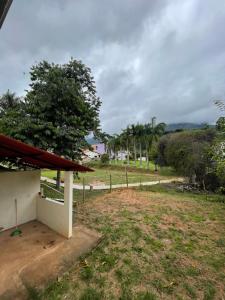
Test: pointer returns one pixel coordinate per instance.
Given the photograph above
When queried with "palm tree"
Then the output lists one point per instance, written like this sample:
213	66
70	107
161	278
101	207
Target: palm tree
124	138
147	134
134	137
117	145
155	132
8	101
140	135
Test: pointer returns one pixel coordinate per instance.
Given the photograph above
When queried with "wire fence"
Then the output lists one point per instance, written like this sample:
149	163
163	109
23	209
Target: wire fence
49	191
87	186
105	177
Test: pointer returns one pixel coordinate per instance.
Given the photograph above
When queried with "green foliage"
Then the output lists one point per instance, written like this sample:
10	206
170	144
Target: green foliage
212	181
59	110
12	115
146	296
220	124
218	151
209	291
87	273
90	294
188	152
104	159
138	140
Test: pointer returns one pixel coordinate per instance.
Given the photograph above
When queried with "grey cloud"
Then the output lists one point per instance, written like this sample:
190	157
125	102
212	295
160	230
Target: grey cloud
149	58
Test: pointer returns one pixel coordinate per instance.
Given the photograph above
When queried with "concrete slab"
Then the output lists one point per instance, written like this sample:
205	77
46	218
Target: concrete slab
39	255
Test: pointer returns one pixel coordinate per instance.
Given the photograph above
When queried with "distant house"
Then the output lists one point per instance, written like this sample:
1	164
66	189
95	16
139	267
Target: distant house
121	155
143	158
99	148
89	155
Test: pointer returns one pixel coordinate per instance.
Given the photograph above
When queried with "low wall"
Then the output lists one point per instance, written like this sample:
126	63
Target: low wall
23	186
53	214
56	215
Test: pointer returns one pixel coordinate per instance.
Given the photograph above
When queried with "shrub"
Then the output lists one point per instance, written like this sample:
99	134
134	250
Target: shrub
212	182
105	159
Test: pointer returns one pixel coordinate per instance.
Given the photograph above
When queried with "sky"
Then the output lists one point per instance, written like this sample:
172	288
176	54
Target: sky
163	58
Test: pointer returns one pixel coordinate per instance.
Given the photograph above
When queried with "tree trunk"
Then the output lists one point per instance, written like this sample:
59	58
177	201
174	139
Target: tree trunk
135	153
140	156
147	160
58	180
128	156
114	153
109	154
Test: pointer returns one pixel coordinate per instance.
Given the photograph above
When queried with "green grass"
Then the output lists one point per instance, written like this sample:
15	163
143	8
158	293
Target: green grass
118	176
77	194
132	167
158	244
132	163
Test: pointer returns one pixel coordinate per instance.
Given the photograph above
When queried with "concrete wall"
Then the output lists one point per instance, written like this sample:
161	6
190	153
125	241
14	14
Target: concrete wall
24	186
56	215
99	148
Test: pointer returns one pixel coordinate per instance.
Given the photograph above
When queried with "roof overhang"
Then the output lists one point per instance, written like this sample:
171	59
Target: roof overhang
12	150
4	7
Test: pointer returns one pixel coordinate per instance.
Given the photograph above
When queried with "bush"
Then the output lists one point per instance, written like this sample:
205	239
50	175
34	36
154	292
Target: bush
105	159
212	182
221	190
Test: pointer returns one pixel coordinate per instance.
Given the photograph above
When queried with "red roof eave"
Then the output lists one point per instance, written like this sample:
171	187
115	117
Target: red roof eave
12	149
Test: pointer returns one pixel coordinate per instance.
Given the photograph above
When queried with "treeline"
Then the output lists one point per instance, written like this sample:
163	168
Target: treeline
137	141
197	154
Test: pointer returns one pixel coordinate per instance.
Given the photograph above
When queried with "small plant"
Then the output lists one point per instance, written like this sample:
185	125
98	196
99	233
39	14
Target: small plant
90	294
104	159
87	273
146	296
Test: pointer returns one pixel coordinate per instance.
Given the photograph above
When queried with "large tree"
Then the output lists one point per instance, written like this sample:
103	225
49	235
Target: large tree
61	108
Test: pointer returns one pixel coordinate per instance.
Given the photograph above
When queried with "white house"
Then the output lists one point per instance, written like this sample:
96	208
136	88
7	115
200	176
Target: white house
122	155
89	155
20	197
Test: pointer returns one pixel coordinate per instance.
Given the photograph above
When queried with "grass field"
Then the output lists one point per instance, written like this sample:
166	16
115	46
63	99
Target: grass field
118	175
158	244
133	164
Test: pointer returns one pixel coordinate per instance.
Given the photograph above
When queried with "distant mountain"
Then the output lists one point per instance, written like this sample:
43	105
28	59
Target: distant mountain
169	128
92	141
180	126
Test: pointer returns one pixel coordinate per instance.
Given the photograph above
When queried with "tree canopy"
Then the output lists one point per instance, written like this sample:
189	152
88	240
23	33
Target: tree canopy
59	110
188	152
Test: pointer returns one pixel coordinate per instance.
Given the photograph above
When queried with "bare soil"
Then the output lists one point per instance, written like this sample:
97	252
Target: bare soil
38	255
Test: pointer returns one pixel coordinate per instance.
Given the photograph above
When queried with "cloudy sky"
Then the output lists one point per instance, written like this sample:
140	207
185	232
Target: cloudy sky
163	58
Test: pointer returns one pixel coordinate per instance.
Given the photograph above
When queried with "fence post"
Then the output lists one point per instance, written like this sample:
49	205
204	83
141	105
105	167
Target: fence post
83	189
140	182
110	183
126	177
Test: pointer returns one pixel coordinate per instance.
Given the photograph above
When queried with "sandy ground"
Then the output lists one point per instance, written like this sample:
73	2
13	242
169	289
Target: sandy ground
38	255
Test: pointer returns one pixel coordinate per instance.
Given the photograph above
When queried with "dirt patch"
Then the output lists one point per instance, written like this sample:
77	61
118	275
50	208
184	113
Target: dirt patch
37	256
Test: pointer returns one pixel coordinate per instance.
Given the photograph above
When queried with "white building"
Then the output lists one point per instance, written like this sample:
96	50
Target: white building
20	196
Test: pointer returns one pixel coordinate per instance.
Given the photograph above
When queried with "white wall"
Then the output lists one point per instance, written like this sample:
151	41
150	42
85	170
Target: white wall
56	215
24	186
